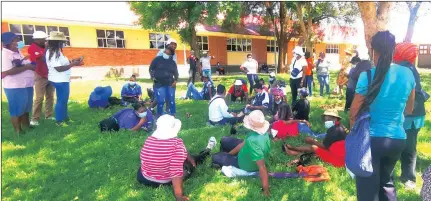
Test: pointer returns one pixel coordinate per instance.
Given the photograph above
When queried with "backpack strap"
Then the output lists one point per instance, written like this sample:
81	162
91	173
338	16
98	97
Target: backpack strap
214	99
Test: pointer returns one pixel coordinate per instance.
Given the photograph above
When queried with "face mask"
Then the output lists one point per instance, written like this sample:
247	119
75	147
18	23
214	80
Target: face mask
165	56
132	83
142	115
61	45
329	124
249	59
278	102
20	45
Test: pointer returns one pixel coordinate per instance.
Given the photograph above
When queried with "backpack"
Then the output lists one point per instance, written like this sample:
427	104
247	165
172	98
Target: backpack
295	72
358	144
109	124
420	95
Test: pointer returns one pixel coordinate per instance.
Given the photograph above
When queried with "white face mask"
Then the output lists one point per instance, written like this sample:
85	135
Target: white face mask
249	59
165	56
132	83
329	124
142	115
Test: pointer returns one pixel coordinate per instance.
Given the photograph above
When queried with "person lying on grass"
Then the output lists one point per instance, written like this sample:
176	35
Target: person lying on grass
331	149
135	119
218	110
237	90
301	109
251	154
131	92
207	93
164	158
286	126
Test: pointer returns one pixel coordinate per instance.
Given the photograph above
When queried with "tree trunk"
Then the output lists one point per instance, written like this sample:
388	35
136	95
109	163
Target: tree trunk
281	37
308	42
412	20
374	19
194	42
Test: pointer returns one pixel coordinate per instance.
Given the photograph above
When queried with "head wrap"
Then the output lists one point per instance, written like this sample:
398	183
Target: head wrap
405	52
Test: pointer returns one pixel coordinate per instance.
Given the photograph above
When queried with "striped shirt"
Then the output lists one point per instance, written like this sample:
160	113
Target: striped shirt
163	159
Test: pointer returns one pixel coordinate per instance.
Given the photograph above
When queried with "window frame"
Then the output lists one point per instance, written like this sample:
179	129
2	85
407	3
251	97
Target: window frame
157	41
233	44
272	46
22	34
332	48
424	49
106	38
201	43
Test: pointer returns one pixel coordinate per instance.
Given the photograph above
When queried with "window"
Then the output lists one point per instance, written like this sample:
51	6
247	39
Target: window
271	46
331	48
25	31
203	43
423	49
158	40
238	45
110	38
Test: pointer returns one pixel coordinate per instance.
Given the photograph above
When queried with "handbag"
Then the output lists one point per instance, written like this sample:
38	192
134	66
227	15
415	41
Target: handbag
358	144
295	72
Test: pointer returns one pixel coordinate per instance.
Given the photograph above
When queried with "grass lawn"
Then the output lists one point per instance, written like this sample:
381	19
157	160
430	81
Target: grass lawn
80	163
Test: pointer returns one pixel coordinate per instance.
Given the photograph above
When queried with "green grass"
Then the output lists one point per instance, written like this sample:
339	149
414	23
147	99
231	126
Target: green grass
80	163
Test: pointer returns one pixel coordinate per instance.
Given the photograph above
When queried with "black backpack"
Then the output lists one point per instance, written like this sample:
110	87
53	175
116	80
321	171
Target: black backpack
109	125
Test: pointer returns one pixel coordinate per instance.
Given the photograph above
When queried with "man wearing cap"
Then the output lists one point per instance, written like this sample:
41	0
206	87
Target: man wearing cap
205	61
297	67
238	90
42	87
172	45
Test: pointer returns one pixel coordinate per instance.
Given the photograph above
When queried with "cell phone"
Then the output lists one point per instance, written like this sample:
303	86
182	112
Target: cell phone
81	58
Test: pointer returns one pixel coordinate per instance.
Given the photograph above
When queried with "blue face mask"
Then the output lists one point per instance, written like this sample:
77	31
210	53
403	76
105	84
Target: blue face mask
142	115
21	45
329	124
165	56
62	45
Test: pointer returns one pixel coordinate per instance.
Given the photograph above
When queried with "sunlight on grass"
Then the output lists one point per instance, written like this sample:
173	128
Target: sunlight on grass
215	191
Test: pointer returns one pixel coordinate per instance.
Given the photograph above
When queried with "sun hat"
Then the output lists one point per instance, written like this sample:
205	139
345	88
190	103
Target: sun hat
298	50
238	83
171	40
331	113
57	35
167	127
349	51
303	92
39	35
7	37
362	52
272	74
255	121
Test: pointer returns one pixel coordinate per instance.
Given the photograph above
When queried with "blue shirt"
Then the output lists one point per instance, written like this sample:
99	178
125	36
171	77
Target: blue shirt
127	119
418	122
387	110
129	90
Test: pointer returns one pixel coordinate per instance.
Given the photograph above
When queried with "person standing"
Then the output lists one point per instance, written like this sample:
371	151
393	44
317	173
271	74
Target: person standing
309	73
205	61
193	62
164	73
59	73
18	81
250	67
297	77
322	67
342	77
42	87
389	96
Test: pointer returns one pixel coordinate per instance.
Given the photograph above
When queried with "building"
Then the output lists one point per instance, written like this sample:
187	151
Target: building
130	49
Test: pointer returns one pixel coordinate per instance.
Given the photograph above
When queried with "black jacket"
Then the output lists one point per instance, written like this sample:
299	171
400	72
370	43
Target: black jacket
163	71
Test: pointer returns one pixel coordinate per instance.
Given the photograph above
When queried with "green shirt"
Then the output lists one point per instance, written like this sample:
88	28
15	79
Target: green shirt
256	147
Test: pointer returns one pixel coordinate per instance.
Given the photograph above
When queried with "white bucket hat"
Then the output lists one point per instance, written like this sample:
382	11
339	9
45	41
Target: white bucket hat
238	83
298	50
255	121
167	127
39	35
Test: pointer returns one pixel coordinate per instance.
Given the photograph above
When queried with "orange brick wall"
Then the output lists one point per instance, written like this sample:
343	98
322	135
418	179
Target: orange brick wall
4	27
217	48
258	50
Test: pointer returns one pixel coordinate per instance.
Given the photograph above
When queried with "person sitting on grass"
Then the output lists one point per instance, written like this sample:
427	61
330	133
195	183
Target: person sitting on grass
131	119
131	92
99	98
331	150
238	90
220	70
278	101
164	158
260	101
262	82
301	109
272	79
207	93
251	154
218	110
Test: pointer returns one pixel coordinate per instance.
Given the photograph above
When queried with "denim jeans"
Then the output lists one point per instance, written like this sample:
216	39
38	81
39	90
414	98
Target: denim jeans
193	93
408	156
252	79
165	93
62	90
323	81
208	73
303	128
309	82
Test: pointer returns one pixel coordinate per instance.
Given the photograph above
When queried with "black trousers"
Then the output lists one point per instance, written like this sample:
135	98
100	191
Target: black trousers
295	84
188	170
350	94
193	75
408	156
380	185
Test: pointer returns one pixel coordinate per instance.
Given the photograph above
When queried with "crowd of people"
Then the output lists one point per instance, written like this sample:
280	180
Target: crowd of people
390	91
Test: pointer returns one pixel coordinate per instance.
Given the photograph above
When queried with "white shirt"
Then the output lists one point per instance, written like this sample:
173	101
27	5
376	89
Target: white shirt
251	66
206	62
299	64
53	74
218	109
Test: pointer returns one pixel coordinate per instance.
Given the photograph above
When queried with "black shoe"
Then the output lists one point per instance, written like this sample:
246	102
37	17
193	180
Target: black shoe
233	130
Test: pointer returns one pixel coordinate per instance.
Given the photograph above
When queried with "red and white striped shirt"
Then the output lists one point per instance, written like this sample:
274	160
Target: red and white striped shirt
163	159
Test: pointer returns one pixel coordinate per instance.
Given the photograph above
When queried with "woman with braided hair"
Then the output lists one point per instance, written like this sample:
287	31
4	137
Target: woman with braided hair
389	96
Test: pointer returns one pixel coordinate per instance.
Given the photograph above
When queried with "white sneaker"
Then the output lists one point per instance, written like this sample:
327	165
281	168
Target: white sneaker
34	123
410	185
212	142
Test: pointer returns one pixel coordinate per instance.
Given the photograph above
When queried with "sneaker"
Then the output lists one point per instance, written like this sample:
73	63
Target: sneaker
410	185
50	118
212	142
34	123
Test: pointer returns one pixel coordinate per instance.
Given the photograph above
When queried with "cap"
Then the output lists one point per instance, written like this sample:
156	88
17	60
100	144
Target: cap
7	37
238	83
171	40
39	35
